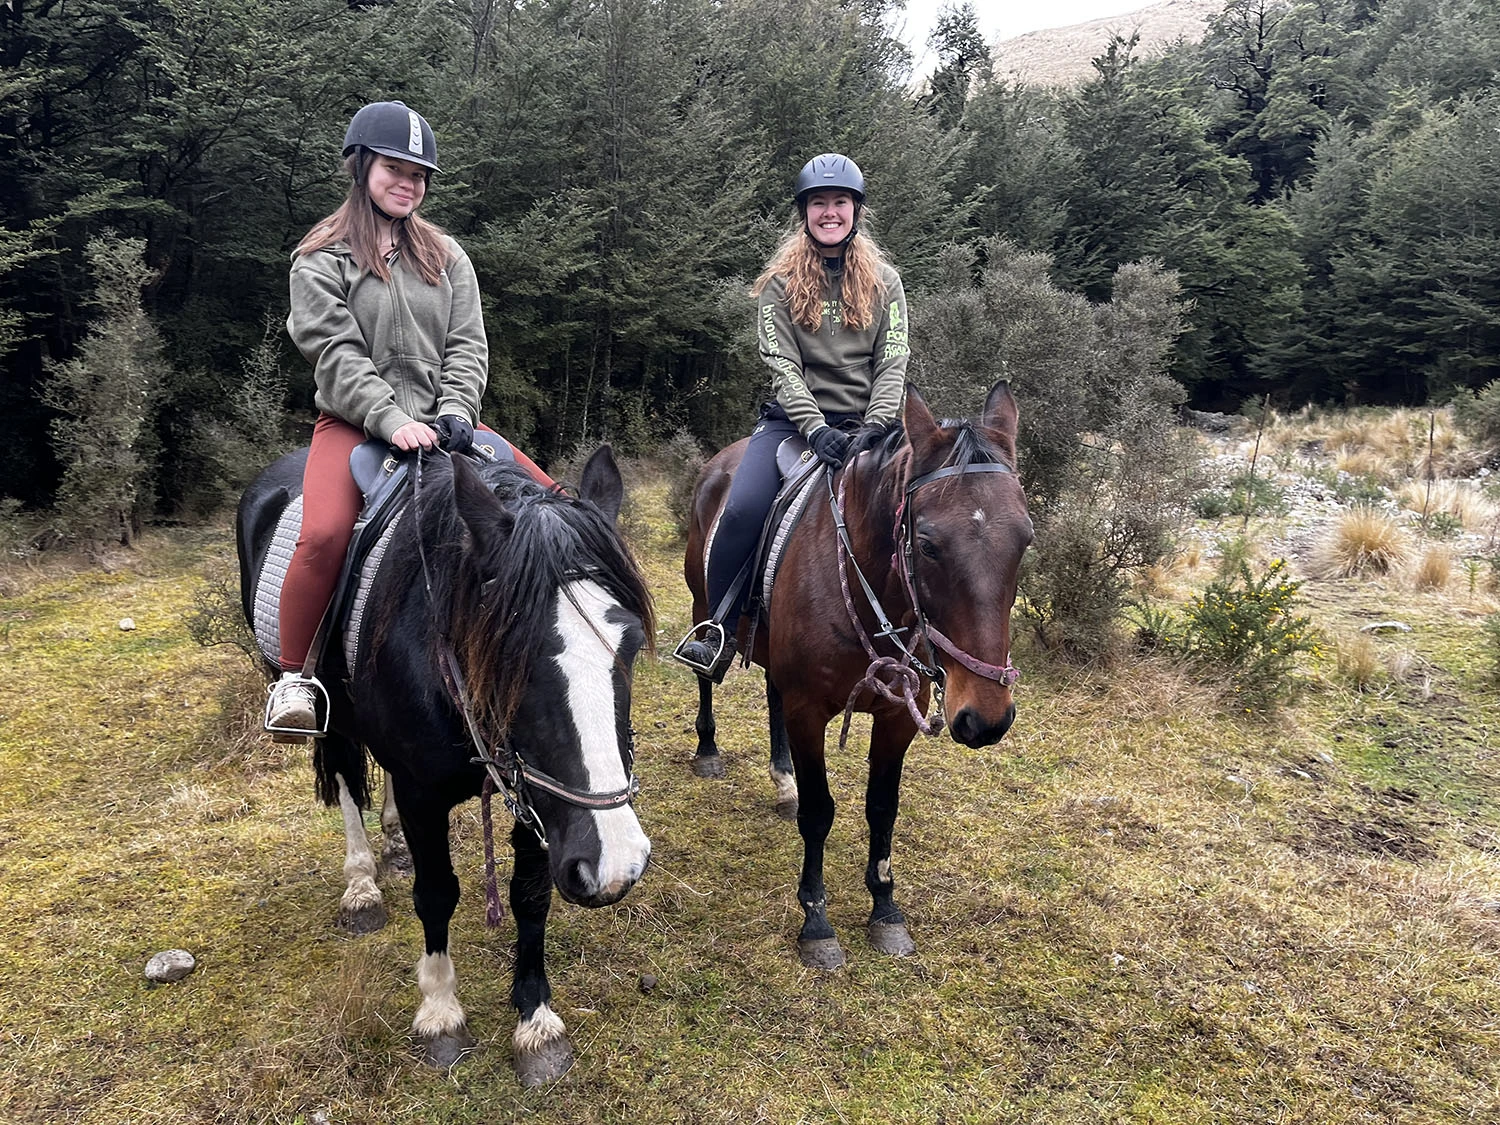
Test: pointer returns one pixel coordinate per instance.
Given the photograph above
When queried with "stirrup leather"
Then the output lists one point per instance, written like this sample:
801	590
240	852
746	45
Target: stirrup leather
713	633
320	709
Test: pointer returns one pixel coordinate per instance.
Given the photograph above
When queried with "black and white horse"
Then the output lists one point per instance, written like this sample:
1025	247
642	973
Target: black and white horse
504	619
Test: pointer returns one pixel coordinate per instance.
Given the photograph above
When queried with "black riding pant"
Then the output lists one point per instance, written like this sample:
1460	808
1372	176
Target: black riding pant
751	494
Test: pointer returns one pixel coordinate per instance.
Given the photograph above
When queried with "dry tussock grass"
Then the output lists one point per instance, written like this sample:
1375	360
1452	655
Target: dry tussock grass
1363	541
1461	499
1432	569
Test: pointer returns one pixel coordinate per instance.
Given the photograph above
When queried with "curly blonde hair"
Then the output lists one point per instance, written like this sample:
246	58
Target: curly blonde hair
799	261
424	244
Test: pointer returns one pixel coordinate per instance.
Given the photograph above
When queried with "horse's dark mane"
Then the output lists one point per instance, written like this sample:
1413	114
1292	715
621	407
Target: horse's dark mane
971	445
492	592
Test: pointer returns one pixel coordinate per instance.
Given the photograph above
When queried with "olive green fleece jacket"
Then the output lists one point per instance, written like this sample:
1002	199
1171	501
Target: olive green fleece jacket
836	369
388	353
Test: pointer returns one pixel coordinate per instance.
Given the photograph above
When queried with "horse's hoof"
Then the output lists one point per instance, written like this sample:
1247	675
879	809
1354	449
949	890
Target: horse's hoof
821	953
891	938
787	810
709	765
365	920
548	1062
444	1051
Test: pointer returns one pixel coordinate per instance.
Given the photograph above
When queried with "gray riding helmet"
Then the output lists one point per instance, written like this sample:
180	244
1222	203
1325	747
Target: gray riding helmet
831	171
391	129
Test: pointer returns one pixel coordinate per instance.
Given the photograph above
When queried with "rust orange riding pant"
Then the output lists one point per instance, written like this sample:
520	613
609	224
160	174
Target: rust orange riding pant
330	505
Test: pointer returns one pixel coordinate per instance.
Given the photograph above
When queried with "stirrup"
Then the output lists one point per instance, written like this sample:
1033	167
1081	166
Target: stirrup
320	713
713	634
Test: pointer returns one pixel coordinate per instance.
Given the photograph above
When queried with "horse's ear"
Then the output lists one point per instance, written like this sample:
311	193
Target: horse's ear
1000	416
916	418
601	483
487	520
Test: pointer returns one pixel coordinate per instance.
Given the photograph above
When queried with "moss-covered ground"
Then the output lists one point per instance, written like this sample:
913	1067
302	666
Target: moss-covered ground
1144	905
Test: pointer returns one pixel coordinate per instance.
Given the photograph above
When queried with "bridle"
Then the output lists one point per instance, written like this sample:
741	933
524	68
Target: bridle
505	769
1005	675
906	668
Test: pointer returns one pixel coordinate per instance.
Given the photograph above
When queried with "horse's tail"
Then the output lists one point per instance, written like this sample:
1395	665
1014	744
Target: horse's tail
335	756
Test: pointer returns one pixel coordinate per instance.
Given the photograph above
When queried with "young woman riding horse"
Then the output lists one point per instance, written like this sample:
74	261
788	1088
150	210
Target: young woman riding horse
385	306
832	326
897	583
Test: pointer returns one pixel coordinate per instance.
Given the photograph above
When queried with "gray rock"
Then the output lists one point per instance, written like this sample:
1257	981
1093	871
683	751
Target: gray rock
1385	627
170	965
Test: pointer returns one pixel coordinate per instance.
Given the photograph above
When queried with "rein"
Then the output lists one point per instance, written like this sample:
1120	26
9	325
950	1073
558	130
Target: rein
905	670
505	770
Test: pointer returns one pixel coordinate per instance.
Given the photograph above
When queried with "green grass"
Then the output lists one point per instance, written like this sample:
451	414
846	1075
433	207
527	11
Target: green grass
1143	906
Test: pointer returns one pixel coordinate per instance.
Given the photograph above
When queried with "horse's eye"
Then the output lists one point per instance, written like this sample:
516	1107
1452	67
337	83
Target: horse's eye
927	547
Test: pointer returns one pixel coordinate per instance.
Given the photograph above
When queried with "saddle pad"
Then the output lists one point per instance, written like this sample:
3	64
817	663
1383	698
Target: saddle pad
783	532
273	576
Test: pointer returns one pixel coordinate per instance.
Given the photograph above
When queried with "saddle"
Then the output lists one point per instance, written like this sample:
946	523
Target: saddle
383	474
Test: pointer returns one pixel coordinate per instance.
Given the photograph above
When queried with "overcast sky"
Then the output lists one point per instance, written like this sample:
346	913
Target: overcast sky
1002	19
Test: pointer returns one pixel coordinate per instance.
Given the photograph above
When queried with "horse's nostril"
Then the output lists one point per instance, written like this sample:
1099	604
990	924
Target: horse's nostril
582	880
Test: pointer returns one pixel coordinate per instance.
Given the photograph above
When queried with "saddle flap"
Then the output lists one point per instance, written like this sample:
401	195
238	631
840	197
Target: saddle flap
377	467
793	456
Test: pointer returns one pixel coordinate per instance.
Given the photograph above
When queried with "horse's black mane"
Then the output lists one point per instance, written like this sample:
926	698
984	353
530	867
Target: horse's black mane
971	446
492	591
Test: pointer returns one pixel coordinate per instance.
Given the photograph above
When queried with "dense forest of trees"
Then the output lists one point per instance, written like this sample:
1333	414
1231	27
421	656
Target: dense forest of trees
1322	177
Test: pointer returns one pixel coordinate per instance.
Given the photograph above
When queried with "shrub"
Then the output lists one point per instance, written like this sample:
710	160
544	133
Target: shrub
682	461
105	398
1211	504
1255	495
1246	626
1478	415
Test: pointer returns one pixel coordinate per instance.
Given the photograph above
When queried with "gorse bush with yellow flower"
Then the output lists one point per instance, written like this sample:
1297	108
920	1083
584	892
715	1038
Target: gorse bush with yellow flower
1243	625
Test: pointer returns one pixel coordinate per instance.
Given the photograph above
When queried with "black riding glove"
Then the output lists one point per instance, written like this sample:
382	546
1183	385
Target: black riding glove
829	444
455	435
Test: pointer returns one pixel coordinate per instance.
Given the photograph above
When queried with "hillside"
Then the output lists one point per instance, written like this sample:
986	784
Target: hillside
1060	55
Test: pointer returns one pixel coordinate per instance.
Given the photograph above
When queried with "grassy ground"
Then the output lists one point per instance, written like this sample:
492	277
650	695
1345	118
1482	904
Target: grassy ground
1140	907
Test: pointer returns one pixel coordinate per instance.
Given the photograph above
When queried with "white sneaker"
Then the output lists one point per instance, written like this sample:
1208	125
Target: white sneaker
293	706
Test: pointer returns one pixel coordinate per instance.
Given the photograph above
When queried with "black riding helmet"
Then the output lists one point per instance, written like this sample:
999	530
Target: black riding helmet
391	129
831	171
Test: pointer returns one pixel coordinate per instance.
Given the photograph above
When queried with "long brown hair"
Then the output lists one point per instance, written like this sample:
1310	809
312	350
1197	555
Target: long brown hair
422	243
799	260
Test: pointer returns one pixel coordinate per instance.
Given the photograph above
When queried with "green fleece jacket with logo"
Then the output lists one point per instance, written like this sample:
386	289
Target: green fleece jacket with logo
385	353
836	369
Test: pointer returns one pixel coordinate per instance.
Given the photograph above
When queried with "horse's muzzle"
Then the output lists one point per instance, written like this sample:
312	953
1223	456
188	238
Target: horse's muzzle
581	883
974	730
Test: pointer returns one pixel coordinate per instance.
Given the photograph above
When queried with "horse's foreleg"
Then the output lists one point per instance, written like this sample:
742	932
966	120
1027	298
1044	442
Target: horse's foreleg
543	1051
817	944
889	739
362	907
395	857
440	1024
782	775
706	760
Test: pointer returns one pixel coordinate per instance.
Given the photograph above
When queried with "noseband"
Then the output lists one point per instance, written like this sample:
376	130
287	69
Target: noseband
1007	675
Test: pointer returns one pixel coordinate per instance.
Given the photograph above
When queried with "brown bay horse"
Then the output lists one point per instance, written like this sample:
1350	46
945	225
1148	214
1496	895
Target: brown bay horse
916	592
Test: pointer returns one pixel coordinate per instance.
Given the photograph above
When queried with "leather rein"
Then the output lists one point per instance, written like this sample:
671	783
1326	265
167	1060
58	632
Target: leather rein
905	670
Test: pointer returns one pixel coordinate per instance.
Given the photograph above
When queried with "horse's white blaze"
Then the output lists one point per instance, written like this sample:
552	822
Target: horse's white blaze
440	1012
543	1027
590	641
360	888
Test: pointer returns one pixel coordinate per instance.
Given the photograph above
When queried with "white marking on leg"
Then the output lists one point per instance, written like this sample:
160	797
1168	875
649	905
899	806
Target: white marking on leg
883	870
360	889
542	1028
786	785
590	641
440	1012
